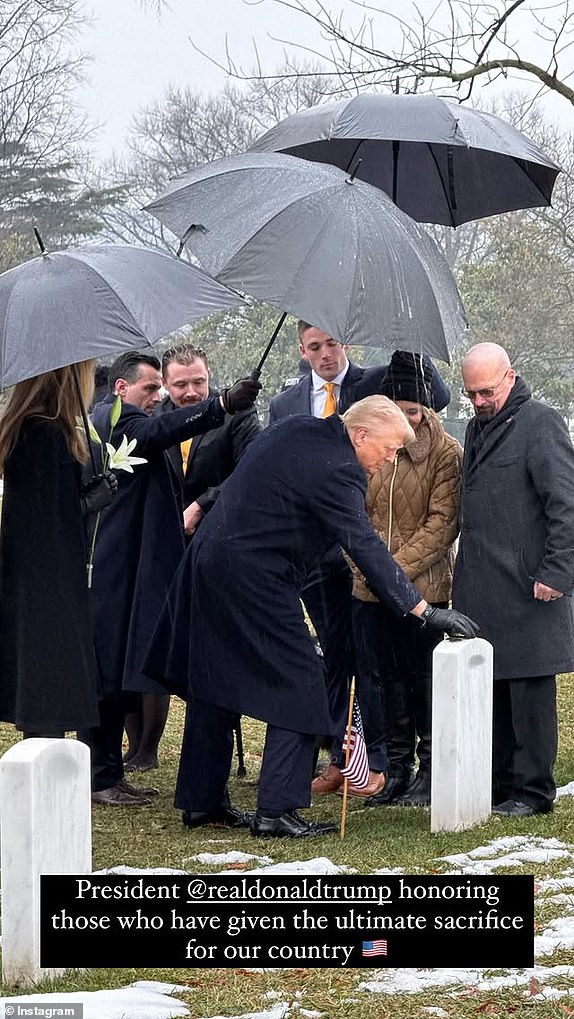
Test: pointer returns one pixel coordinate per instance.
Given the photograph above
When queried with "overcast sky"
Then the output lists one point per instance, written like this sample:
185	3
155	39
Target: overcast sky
137	53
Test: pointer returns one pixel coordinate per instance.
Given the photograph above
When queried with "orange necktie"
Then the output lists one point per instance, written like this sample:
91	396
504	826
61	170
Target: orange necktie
331	400
185	447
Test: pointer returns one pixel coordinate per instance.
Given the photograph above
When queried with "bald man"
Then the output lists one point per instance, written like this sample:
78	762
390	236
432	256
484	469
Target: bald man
515	569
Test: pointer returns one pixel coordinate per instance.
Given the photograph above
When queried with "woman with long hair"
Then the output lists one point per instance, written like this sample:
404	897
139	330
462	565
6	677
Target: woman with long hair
47	669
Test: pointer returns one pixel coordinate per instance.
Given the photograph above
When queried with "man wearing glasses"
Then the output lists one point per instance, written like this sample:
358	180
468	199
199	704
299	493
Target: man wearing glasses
515	569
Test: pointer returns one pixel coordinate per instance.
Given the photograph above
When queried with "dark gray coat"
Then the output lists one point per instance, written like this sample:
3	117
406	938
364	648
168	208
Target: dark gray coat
213	455
517	527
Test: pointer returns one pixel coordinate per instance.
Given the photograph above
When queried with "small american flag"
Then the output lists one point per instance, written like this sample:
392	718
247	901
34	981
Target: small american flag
357	770
374	948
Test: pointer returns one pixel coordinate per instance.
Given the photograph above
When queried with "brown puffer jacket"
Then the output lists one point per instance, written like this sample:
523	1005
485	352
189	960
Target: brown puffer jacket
413	505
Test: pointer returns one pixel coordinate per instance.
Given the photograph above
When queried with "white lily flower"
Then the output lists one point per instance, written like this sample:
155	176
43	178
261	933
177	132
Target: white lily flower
120	458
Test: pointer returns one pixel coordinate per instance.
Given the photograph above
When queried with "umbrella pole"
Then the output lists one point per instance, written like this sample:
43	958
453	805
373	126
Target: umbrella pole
257	371
84	417
396	150
347	755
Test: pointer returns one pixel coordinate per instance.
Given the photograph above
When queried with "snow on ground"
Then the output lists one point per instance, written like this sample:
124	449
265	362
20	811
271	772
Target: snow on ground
145	999
151	1000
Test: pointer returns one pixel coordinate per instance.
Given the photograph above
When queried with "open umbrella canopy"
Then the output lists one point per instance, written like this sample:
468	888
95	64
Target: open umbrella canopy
307	239
441	162
98	301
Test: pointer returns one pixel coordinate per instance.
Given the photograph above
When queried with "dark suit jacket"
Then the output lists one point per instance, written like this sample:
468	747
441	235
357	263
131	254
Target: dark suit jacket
297	491
213	455
140	540
358	383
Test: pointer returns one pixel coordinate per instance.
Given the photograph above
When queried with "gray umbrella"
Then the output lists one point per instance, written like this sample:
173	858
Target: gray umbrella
72	305
309	240
439	161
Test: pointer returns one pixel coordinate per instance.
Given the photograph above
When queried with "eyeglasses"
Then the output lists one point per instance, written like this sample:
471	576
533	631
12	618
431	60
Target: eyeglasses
485	394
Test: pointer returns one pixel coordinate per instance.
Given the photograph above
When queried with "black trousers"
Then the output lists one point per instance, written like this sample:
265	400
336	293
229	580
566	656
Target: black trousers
394	667
205	763
525	740
105	743
328	602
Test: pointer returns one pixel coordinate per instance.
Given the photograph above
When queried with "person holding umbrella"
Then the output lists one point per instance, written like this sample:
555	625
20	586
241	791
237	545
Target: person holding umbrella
47	660
332	385
140	543
299	489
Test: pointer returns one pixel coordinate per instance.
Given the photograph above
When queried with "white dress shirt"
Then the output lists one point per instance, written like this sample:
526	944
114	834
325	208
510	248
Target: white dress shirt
319	393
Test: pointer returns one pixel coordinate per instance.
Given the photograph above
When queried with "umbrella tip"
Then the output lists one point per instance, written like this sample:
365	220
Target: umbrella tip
41	244
353	174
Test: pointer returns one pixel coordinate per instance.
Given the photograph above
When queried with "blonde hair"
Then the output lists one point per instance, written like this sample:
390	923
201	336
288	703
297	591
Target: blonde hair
375	413
52	396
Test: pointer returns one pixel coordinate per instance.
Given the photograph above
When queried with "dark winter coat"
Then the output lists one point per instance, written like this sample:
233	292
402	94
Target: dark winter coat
213	456
413	505
298	490
140	541
47	667
518	527
357	383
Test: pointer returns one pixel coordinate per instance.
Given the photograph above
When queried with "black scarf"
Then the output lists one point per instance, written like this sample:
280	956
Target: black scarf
488	434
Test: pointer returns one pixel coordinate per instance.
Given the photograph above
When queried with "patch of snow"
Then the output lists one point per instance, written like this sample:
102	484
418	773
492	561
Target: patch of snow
319	865
558	934
234	856
151	1001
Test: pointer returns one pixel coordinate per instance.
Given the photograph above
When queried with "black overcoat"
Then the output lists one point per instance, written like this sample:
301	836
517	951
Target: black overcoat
47	667
140	540
298	489
213	456
517	526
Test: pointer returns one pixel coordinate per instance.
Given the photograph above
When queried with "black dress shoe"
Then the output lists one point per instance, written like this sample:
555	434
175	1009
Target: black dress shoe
116	796
516	808
221	817
289	825
395	786
418	793
137	790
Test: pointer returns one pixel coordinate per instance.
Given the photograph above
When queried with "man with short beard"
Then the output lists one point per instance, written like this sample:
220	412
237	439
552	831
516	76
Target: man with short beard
201	465
515	569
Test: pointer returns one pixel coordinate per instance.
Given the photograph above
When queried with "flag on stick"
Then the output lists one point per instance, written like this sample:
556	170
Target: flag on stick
356	768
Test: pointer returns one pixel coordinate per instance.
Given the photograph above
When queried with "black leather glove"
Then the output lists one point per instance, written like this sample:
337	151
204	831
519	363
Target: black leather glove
98	492
452	622
241	395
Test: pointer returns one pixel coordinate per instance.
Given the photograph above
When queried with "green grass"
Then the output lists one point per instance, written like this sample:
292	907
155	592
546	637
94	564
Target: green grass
155	837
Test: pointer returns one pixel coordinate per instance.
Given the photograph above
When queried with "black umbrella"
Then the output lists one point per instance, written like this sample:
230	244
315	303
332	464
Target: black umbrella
440	162
313	242
68	306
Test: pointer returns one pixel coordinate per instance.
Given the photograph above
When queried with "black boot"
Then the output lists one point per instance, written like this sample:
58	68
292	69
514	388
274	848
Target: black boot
418	793
397	782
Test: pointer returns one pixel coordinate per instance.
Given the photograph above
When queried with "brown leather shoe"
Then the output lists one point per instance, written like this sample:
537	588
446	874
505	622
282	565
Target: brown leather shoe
137	790
115	796
376	785
329	781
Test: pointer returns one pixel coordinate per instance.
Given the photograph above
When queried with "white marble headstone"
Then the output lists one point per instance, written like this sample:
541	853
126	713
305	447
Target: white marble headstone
461	775
45	828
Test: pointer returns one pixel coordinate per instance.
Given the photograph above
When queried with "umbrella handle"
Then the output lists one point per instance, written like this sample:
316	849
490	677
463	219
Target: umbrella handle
257	371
